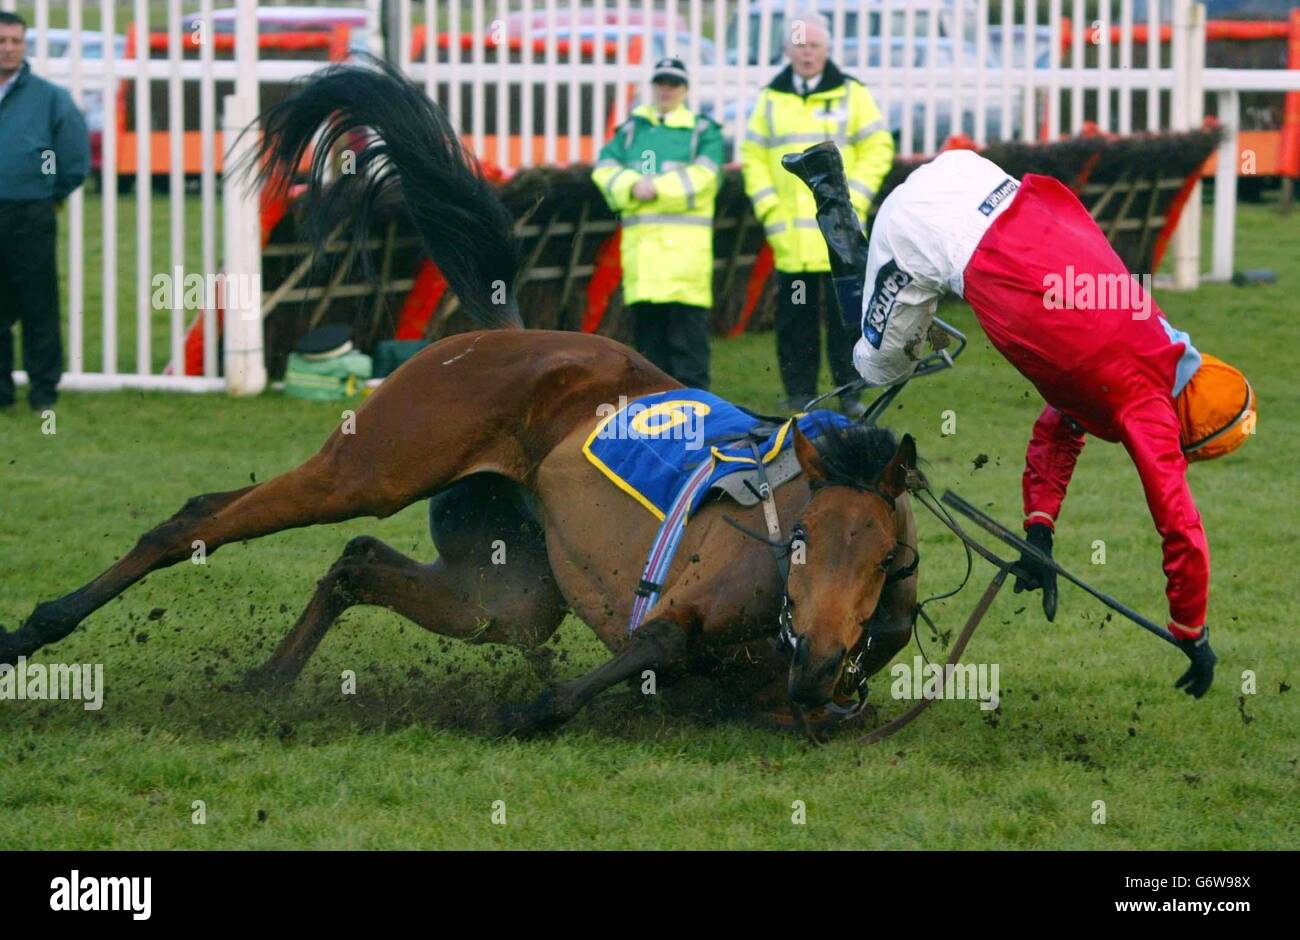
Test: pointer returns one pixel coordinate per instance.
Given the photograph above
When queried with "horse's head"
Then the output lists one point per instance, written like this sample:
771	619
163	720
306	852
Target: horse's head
849	535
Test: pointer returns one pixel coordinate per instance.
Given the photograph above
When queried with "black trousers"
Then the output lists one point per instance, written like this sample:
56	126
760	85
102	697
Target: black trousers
804	302
675	337
29	294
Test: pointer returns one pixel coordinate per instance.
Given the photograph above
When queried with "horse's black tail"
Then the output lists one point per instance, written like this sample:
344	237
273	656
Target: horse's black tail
414	150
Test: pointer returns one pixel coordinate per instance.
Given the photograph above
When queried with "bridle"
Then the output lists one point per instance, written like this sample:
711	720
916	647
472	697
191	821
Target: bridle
916	484
782	549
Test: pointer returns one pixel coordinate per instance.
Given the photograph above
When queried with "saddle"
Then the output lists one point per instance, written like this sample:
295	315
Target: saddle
653	446
742	486
671	450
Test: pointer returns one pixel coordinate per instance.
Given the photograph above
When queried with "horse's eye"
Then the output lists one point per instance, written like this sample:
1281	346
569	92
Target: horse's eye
888	561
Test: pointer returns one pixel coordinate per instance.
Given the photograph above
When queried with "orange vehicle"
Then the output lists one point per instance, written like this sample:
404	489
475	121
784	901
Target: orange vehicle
573	44
1269	38
333	34
330	36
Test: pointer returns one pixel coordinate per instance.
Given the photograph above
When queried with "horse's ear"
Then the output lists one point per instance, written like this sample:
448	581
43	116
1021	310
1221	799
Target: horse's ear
894	478
810	461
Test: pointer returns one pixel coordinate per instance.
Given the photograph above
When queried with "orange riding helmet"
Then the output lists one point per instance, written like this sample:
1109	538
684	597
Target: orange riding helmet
1217	410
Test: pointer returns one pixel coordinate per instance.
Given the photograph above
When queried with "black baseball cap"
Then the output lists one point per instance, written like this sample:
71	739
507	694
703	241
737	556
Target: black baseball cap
672	71
326	342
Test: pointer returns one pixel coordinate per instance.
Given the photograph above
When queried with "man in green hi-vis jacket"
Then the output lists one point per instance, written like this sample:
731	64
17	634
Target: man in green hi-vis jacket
661	171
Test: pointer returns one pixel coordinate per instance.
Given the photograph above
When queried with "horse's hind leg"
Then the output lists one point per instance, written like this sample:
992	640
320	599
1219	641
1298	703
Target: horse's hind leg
340	482
53	620
491	582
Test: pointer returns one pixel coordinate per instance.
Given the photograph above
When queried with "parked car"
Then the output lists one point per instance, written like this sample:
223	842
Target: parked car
580	33
59	43
297	19
1223	9
1018	35
1261	113
635	24
919	54
920	57
873	9
59	52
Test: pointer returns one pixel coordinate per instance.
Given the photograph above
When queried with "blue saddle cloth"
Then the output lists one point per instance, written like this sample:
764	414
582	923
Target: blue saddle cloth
649	446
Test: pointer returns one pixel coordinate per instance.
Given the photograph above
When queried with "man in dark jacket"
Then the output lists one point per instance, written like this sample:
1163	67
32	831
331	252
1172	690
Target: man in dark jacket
44	156
811	100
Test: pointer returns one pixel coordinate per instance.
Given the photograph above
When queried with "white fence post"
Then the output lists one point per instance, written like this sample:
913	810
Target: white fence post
208	179
1225	188
108	181
245	366
1187	113
375	29
176	173
143	193
245	369
76	214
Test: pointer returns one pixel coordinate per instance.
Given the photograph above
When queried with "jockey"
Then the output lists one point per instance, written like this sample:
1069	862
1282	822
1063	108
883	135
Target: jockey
1054	298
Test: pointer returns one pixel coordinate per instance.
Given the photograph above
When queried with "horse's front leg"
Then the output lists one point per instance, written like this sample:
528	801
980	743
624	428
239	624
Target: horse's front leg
724	589
659	644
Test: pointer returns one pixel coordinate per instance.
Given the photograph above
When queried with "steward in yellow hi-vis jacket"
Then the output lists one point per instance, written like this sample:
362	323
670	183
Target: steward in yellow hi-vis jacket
811	100
660	171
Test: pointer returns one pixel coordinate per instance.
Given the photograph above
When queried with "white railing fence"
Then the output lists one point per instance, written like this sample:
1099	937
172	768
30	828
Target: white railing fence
987	68
163	126
544	81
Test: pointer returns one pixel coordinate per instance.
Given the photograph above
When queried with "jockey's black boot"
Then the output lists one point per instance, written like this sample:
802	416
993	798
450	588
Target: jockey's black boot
848	293
822	170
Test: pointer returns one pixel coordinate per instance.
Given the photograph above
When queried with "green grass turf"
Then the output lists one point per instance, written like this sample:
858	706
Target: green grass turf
1088	710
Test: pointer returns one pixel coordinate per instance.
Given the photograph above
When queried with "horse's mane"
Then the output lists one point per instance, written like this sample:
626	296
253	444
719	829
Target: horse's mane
854	455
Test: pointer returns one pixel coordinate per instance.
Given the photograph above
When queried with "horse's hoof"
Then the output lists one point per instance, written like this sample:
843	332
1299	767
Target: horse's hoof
526	721
523	721
515	721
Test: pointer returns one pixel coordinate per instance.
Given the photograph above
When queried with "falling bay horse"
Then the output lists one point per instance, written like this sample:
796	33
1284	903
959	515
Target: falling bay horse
488	426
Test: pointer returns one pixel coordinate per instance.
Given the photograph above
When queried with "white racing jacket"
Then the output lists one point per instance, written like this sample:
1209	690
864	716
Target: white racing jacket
923	238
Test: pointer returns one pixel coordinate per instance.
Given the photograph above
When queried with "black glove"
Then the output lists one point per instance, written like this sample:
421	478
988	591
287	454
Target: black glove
1031	575
1198	678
